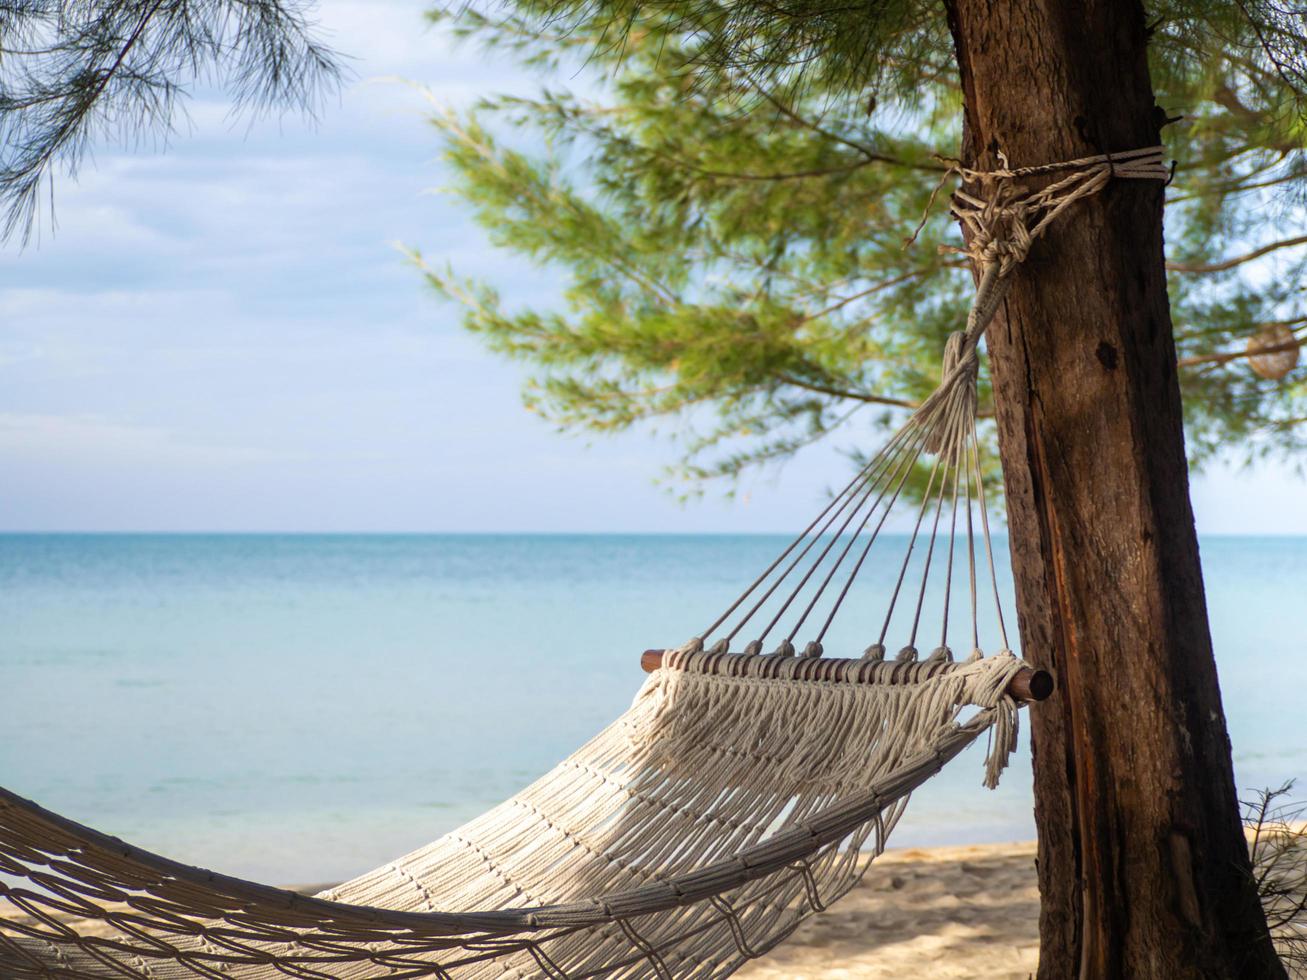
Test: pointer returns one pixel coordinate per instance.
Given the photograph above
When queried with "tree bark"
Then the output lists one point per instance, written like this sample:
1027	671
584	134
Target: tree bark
1143	867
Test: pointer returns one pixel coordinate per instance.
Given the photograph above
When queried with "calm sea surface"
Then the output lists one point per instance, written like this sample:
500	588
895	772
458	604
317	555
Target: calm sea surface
298	708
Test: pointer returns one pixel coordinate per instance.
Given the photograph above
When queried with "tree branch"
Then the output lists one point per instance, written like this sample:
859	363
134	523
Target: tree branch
1226	356
1228	264
789	175
885	284
866	151
834	392
1238	186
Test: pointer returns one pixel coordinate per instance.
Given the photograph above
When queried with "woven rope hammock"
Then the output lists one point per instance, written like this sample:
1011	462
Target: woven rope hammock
701	827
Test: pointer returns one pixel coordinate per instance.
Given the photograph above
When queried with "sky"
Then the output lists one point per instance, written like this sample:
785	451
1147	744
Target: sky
223	335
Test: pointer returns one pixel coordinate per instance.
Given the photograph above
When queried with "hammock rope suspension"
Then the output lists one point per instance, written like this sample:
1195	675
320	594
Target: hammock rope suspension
1000	221
731	801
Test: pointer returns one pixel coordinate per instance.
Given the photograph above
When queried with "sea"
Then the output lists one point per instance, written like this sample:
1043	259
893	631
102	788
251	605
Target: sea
299	708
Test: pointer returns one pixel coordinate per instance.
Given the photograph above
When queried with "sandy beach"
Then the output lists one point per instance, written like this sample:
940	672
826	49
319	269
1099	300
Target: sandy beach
945	912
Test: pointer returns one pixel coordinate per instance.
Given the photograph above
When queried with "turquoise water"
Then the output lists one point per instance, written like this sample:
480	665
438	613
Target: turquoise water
298	708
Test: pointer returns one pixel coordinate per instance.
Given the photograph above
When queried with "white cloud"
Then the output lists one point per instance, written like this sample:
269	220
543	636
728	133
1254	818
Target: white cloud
64	305
90	440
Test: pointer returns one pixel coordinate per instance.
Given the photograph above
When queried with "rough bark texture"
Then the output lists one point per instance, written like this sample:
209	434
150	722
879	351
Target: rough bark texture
1143	868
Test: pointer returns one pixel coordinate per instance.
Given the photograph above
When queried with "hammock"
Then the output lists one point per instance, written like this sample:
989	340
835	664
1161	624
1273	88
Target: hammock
734	798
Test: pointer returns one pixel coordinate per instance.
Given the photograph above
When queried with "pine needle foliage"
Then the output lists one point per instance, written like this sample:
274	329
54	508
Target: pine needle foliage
75	72
1277	841
724	193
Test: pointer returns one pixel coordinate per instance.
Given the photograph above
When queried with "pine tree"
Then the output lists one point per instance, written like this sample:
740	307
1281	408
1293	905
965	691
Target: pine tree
730	219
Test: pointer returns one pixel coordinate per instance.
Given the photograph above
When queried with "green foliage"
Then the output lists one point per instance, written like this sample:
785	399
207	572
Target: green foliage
72	71
727	202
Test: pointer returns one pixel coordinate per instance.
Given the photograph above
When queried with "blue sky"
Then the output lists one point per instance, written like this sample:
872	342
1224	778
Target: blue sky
223	336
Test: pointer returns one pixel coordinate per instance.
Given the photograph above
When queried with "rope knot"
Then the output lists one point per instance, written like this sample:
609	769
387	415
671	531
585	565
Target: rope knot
960	372
1008	251
959	355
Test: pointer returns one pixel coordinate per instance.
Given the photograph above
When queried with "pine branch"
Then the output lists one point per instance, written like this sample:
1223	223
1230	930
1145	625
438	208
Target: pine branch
832	391
867	152
73	73
1225	357
1226	264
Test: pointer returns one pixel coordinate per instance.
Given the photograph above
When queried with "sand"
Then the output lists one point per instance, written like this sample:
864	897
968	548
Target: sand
944	912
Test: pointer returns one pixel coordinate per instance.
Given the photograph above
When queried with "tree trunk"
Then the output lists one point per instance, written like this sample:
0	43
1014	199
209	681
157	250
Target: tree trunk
1143	868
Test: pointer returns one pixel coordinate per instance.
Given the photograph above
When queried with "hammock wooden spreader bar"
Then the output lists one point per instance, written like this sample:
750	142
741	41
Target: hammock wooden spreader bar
744	790
1027	684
